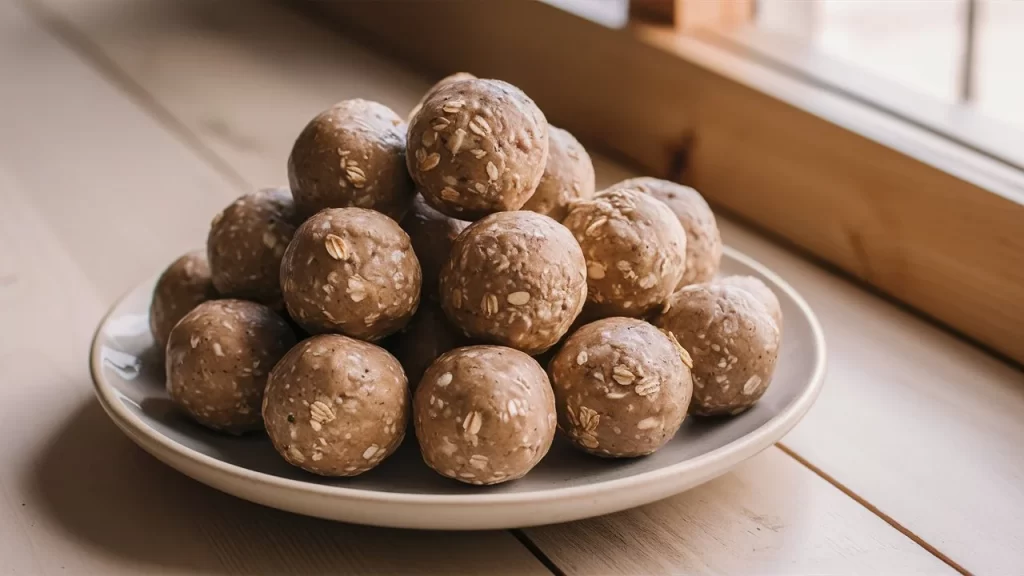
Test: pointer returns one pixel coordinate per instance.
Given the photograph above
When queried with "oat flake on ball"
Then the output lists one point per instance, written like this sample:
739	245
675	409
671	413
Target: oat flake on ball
352	271
352	154
622	387
440	83
568	176
484	414
516	279
477	147
336	406
184	285
635	249
218	357
246	242
703	241
733	342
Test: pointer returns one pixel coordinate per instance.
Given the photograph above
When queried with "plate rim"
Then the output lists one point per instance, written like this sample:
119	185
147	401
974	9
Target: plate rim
719	459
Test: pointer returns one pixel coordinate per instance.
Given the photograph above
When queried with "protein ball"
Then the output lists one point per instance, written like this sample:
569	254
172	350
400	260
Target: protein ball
760	291
477	147
218	357
432	235
336	406
245	245
516	279
352	271
184	285
427	336
703	241
635	249
622	387
568	176
352	154
442	82
733	341
484	414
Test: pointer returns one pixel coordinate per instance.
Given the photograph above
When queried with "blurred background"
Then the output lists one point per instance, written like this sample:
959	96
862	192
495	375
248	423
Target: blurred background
957	51
949	66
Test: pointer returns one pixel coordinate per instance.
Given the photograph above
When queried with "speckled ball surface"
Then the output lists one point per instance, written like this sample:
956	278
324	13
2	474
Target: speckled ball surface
352	154
351	271
440	83
428	335
246	242
732	340
635	249
761	291
703	240
336	406
568	176
516	279
622	387
484	414
477	147
432	235
217	361
184	285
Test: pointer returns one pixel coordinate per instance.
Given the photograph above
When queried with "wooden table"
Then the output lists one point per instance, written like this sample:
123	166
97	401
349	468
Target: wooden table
124	125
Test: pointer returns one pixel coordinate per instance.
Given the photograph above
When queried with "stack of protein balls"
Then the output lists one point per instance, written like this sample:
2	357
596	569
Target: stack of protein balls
423	271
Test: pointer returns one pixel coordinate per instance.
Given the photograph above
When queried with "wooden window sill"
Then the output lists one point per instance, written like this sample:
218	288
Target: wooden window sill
922	218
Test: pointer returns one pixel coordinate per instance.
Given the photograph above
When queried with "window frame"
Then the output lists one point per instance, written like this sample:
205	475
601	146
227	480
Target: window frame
953	120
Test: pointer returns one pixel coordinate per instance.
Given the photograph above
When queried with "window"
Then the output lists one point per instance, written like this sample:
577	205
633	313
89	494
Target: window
950	65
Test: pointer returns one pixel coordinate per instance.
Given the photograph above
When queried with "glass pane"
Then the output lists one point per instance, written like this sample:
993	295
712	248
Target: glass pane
917	43
999	64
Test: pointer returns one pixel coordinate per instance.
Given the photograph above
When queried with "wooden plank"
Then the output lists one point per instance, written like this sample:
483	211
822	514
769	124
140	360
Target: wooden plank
911	417
925	220
848	397
691	15
95	196
771	525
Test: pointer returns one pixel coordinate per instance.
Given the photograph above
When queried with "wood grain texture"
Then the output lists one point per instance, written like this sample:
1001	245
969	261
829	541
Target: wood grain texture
771	525
925	220
161	49
691	15
95	197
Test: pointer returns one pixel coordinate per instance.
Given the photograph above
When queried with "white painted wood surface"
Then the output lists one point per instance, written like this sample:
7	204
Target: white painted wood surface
121	143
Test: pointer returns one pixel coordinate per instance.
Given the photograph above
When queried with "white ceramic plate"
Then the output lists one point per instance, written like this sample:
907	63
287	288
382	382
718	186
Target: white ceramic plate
403	492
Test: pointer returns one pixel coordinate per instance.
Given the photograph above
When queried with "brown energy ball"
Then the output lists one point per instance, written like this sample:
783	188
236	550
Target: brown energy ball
440	83
432	235
515	278
484	414
568	176
218	357
184	285
352	271
733	341
477	147
427	336
761	291
352	154
336	406
703	241
621	386
246	242
635	249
